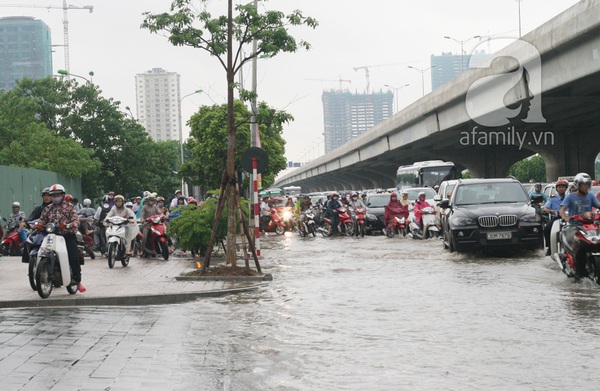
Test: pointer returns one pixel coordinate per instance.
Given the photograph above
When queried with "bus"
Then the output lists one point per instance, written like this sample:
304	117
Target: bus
428	173
292	191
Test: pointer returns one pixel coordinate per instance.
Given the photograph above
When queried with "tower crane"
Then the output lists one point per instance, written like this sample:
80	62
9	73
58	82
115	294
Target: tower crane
367	67
340	80
65	8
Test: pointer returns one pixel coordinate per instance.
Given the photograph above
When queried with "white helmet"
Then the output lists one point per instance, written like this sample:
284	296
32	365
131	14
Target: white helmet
16	204
582	178
87	202
56	189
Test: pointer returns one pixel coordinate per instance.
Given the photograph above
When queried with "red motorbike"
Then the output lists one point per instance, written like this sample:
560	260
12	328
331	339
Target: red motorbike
398	225
157	241
276	224
11	243
581	257
359	226
345	223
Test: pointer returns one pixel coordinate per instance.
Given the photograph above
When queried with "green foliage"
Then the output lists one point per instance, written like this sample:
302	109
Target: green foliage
193	227
529	168
208	141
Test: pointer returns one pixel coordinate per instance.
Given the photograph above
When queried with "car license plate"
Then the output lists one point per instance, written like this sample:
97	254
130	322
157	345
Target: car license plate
498	235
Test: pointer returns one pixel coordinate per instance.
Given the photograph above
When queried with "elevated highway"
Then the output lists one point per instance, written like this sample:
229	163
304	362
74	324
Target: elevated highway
541	94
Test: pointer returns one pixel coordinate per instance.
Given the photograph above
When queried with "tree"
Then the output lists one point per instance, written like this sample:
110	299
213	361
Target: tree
185	26
529	168
208	147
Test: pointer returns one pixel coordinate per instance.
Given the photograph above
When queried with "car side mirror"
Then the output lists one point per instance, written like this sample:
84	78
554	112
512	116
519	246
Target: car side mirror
537	199
437	198
444	204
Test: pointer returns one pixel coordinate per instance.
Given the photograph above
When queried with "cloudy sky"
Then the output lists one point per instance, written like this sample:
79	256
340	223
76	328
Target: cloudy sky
386	35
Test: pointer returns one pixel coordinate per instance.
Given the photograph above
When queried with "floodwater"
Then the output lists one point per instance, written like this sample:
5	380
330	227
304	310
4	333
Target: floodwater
340	314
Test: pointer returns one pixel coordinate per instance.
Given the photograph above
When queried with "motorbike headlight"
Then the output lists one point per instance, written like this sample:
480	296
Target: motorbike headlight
462	221
287	214
50	227
370	216
531	218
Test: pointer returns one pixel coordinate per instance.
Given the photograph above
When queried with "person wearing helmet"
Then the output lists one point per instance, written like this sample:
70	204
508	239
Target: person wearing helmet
99	230
149	209
552	206
63	214
578	203
303	204
392	209
160	204
355	202
175	199
16	221
537	191
332	208
86	217
37	212
131	229
111	198
420	204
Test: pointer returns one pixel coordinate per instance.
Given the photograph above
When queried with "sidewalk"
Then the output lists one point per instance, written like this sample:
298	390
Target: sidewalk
142	282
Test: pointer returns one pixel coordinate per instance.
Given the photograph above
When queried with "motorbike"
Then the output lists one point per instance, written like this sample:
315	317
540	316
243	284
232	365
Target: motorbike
116	237
276	224
430	225
11	243
359	225
345	223
308	227
157	242
32	247
581	258
53	268
399	227
288	219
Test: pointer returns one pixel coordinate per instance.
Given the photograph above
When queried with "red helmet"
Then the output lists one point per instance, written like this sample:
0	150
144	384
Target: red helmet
562	182
68	198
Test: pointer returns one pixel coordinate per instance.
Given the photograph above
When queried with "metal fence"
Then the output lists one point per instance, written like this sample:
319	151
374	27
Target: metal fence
26	184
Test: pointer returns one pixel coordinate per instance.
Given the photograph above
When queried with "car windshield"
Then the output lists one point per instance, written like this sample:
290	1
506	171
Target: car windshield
482	193
378	201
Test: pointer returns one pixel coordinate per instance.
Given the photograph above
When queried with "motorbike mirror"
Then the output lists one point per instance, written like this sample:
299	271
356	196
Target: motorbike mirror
444	204
437	198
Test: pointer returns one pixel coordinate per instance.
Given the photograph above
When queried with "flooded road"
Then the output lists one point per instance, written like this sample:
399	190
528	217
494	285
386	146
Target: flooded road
341	314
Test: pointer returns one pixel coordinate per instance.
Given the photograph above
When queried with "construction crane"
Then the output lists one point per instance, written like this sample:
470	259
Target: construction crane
367	67
340	80
65	8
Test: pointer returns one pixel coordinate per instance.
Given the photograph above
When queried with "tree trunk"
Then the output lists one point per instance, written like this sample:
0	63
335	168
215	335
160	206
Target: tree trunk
231	204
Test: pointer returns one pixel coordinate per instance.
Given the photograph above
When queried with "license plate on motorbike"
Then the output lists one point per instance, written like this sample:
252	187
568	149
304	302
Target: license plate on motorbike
499	235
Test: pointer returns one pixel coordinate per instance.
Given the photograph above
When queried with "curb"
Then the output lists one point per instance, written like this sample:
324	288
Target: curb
264	277
127	300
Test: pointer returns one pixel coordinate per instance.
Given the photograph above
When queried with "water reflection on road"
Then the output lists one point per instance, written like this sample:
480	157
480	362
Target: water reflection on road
373	314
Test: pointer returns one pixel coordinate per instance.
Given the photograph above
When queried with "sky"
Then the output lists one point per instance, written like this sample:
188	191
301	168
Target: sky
385	35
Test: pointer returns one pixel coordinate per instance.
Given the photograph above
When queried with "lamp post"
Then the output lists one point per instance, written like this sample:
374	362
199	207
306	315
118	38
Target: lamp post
183	185
66	73
422	75
519	2
462	52
396	89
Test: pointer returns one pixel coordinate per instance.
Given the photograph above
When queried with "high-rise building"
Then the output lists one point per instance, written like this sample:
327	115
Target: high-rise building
447	66
25	50
158	103
348	115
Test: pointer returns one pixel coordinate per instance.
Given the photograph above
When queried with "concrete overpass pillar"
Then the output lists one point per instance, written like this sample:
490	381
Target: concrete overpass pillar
487	161
570	153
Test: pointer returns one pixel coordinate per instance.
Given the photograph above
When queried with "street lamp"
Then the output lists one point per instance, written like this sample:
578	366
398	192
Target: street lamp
67	74
396	89
183	186
462	52
519	1
422	75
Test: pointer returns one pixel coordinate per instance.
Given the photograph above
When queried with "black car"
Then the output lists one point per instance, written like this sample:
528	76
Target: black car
375	203
490	213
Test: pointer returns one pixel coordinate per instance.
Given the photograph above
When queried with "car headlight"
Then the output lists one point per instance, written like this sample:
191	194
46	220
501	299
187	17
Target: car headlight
531	218
462	221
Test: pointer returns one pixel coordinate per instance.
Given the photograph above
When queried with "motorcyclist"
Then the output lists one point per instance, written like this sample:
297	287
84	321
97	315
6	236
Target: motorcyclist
552	206
578	203
131	229
332	208
16	221
149	209
64	215
175	200
304	205
538	191
355	203
86	217
160	204
420	204
265	214
392	209
136	204
99	216
37	212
